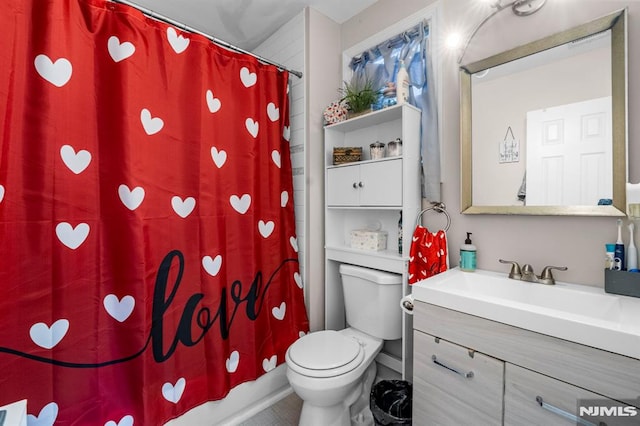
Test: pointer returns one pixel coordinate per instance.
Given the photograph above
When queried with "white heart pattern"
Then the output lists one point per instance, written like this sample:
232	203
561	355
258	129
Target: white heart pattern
252	127
248	78
46	417
232	362
70	236
275	157
1	193
298	279
57	73
213	103
151	125
219	157
212	266
131	198
286	133
279	311
125	421
119	309
48	337
266	228
269	364
294	243
240	204
178	43
173	393
119	51
273	112
183	208
77	162
284	198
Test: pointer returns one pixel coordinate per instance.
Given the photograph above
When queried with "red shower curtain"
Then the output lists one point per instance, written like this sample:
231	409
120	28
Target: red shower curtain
149	258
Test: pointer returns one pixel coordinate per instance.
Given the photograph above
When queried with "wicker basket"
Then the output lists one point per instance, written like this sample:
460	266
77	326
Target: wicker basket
347	154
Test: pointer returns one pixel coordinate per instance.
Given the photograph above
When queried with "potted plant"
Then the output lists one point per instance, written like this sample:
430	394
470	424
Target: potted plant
358	96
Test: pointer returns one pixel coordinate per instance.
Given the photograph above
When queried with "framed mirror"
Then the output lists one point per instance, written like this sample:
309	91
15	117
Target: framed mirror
544	126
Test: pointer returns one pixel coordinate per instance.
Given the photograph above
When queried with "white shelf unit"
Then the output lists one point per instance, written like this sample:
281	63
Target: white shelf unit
372	193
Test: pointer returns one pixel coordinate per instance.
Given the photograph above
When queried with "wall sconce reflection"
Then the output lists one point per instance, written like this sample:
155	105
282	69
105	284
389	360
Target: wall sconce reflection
518	7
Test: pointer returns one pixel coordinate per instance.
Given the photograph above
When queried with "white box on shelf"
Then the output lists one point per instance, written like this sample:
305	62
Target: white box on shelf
366	239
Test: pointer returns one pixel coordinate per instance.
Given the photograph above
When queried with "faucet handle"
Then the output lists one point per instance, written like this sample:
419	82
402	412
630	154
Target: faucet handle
516	272
547	277
527	269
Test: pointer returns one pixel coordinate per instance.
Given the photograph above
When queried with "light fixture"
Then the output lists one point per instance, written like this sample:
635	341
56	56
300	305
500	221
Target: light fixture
518	7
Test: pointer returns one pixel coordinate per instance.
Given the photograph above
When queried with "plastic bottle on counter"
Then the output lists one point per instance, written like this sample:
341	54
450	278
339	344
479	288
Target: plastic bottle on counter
468	255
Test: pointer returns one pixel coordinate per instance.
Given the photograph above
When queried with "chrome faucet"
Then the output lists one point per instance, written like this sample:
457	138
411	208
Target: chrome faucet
526	273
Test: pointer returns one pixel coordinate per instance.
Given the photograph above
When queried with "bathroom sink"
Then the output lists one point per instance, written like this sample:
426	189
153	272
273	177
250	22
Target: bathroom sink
578	313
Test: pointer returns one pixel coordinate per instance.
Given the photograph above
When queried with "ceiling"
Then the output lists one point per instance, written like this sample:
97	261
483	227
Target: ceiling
247	23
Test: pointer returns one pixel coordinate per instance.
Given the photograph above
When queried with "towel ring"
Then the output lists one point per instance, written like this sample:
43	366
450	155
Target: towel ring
438	207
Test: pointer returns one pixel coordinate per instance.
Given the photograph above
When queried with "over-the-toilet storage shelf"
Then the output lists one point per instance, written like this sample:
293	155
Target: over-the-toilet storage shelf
388	186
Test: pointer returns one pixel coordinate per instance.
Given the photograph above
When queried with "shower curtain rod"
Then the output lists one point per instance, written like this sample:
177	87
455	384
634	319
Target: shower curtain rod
156	16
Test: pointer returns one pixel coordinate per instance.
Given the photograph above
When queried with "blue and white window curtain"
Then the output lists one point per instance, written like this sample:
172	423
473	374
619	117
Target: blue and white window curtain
380	65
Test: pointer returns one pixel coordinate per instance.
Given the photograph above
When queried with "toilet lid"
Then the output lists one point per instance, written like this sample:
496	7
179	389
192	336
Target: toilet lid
325	353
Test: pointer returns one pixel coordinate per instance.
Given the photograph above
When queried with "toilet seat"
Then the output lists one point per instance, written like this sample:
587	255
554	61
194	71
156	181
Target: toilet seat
325	353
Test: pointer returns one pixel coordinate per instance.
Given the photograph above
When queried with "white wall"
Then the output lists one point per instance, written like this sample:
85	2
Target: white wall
576	242
324	78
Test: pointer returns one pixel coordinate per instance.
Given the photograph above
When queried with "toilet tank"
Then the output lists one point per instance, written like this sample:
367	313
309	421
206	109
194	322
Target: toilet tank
372	301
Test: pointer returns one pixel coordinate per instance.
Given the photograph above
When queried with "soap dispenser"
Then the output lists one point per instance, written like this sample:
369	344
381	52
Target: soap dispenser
468	255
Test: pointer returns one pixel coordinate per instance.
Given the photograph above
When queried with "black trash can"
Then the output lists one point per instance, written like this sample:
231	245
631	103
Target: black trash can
391	402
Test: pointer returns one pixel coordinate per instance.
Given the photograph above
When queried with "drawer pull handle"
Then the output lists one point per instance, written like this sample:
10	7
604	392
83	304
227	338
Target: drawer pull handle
355	185
467	375
565	414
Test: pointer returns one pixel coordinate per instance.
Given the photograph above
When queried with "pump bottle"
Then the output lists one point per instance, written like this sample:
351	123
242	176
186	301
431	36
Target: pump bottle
468	255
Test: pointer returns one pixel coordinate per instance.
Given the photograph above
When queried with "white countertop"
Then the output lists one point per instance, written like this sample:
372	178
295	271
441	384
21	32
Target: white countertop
577	313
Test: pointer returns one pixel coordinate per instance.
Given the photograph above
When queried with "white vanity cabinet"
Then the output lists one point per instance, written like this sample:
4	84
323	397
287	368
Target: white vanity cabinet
372	194
543	380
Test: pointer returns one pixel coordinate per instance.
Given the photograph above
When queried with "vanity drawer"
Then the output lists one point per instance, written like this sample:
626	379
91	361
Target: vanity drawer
535	399
454	385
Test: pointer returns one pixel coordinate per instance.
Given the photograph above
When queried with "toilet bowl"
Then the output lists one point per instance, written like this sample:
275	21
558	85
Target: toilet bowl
333	371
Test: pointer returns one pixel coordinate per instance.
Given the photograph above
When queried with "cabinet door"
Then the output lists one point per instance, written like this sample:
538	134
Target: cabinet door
381	183
455	386
534	399
342	186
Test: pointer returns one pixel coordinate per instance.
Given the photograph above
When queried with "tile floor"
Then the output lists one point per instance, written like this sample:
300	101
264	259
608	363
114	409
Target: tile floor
286	412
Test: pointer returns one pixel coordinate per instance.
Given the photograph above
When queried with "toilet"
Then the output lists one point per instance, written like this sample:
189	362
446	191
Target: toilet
333	371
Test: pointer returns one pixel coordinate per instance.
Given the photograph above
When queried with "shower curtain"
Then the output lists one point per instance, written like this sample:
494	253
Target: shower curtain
149	259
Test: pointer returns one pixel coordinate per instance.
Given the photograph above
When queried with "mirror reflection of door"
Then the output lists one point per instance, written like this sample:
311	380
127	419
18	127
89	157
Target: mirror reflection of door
569	154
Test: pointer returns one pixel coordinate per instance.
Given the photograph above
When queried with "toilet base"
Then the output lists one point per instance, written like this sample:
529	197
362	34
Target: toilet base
353	410
337	415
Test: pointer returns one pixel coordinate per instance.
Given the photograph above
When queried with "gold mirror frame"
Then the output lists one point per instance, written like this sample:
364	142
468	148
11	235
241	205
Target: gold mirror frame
616	22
